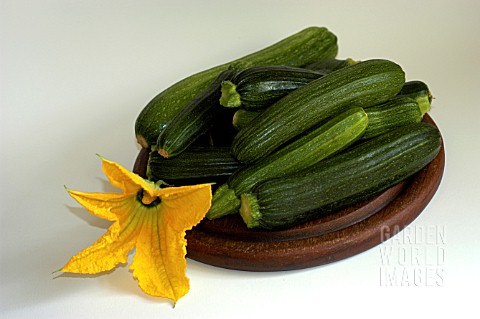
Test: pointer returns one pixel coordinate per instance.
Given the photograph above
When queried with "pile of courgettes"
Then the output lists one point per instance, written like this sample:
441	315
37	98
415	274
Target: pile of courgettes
290	132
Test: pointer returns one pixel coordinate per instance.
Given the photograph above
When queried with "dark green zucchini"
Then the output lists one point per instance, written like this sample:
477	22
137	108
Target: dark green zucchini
343	179
394	113
195	165
306	46
420	92
321	142
330	65
194	120
260	86
242	117
398	111
363	84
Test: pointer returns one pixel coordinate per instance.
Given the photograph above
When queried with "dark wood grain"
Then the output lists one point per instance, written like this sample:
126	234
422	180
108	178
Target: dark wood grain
229	244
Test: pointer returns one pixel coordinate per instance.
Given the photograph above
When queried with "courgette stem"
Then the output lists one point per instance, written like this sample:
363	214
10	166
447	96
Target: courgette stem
230	96
423	104
224	203
250	210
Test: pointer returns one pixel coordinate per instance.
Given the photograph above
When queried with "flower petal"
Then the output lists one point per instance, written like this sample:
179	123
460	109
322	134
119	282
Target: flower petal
184	206
107	206
127	181
113	247
159	263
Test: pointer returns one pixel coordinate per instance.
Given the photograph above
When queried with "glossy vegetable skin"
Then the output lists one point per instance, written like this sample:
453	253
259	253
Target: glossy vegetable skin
323	141
260	86
197	164
362	85
194	120
343	179
306	46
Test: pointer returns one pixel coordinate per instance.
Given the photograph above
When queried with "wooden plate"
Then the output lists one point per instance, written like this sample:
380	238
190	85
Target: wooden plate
227	243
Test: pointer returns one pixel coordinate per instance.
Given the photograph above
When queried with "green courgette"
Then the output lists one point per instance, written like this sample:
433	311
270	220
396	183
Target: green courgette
398	111
363	84
304	47
194	120
197	164
242	117
260	86
420	92
330	65
389	115
319	143
343	179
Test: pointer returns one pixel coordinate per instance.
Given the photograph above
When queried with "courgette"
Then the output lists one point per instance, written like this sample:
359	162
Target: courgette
319	143
363	84
242	117
420	92
343	179
195	165
389	115
260	86
306	46
398	111
194	120
330	65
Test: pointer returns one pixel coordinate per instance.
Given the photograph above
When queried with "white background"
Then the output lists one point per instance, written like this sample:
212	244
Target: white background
75	74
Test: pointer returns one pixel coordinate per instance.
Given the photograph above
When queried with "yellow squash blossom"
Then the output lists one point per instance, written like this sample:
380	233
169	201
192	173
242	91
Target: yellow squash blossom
151	219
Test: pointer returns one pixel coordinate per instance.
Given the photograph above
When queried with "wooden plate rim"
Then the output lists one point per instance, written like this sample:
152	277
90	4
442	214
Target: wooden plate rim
281	252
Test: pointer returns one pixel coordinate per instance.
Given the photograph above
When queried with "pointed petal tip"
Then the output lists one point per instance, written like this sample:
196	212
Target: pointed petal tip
57	271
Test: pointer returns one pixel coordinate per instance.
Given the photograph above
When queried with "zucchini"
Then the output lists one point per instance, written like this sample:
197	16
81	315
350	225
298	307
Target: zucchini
260	86
330	65
242	117
363	84
323	141
394	113
398	111
343	179
420	92
306	46
194	120
195	165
